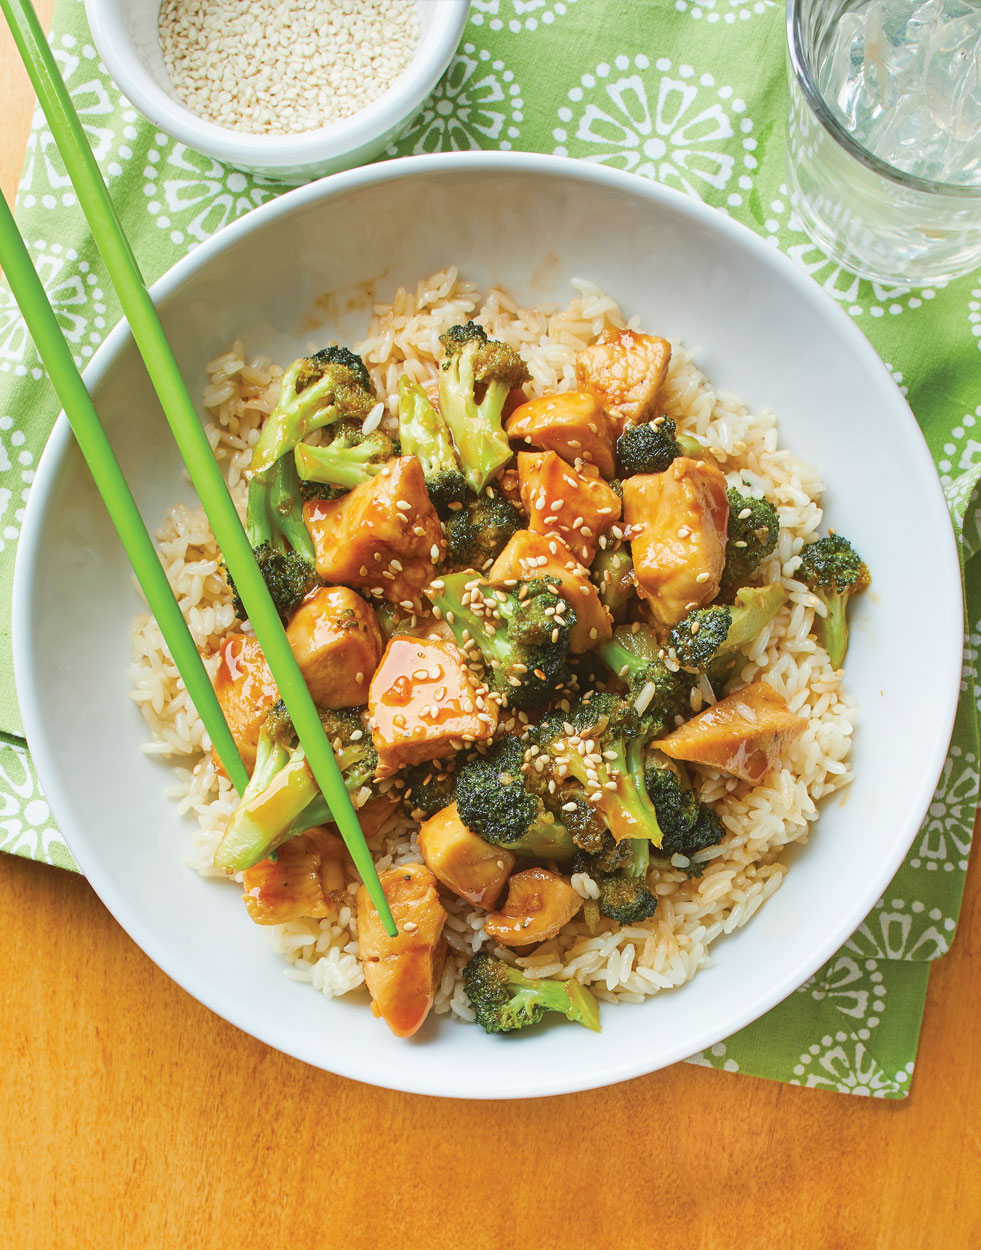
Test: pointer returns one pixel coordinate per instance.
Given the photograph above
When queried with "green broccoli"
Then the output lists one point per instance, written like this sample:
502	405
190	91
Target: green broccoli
651	446
315	391
689	826
521	636
699	637
625	899
599	746
426	435
707	638
475	379
288	576
503	998
428	789
497	798
635	655
477	533
835	572
280	542
282	798
350	458
754	528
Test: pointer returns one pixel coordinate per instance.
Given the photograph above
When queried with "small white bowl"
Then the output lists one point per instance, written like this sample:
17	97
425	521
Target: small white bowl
125	35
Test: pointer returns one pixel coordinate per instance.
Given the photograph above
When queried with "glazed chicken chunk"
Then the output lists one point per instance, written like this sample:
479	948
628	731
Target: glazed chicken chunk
625	370
335	637
246	691
423	699
529	555
384	535
744	734
402	972
678	523
305	879
578	506
573	424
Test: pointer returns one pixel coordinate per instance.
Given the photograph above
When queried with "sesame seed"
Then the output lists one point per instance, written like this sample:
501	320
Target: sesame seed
304	71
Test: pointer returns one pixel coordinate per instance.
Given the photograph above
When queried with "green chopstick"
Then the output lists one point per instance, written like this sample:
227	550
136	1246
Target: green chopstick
43	326
148	333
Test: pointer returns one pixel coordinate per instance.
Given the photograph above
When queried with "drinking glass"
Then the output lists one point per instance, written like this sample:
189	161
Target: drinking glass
873	218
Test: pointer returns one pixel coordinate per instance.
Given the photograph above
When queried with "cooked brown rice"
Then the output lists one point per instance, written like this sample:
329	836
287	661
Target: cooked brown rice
619	964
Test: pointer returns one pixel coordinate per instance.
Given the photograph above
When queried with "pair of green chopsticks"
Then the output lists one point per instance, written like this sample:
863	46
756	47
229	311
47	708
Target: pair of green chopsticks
191	440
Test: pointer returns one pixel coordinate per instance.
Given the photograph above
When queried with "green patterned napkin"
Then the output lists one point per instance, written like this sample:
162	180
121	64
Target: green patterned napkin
690	93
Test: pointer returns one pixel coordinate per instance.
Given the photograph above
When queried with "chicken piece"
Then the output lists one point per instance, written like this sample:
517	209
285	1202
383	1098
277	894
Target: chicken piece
337	643
424	699
625	370
246	691
578	506
402	972
462	860
529	555
678	522
375	814
383	535
539	903
744	734
306	879
572	424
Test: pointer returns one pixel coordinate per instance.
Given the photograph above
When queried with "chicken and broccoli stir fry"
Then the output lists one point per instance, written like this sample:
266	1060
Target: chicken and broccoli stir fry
523	621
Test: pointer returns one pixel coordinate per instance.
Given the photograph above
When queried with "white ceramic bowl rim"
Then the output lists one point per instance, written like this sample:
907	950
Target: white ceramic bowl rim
411	88
948	649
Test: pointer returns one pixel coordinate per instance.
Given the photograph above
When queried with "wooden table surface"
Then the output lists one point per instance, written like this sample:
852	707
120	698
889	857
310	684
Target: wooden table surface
130	1116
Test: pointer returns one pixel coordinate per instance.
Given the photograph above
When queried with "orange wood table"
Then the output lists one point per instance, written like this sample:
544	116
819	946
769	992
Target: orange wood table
132	1117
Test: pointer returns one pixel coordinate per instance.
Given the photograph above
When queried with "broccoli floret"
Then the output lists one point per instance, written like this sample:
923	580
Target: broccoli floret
627	900
282	798
426	435
705	640
475	378
350	458
647	448
280	542
496	799
754	528
697	639
634	654
521	636
428	789
478	532
289	578
599	744
651	446
835	572
503	998
331	356
688	825
314	391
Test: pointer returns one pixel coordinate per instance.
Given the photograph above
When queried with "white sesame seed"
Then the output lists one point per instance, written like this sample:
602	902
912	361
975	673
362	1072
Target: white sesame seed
304	65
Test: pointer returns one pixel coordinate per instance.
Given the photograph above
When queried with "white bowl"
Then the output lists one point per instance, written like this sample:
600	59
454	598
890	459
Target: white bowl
769	334
125	35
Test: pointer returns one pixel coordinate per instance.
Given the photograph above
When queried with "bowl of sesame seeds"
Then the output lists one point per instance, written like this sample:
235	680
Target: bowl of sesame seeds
292	89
